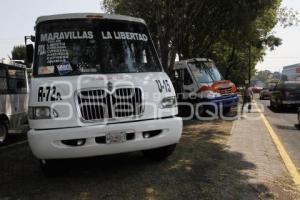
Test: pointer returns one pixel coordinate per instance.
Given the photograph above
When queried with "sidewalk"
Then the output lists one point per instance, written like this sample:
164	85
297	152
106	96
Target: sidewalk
269	178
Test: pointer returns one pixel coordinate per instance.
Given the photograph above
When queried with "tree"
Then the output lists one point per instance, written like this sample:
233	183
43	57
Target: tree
263	76
232	51
217	29
19	53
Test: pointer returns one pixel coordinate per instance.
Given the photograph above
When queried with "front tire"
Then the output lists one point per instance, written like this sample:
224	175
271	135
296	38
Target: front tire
3	133
50	168
298	125
159	154
226	110
272	104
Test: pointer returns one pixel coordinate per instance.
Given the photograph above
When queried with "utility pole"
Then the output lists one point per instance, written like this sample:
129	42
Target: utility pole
249	67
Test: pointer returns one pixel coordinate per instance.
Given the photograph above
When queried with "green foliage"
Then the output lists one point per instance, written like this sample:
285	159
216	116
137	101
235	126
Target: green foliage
217	29
288	17
267	77
19	53
263	76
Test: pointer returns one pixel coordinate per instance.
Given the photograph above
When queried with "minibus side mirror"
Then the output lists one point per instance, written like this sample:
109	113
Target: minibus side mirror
29	49
29	53
176	75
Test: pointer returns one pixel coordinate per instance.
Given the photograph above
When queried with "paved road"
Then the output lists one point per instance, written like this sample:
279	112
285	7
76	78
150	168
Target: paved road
13	139
200	168
283	123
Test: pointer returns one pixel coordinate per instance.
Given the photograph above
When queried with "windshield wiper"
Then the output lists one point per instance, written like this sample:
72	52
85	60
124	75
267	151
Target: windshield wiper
74	72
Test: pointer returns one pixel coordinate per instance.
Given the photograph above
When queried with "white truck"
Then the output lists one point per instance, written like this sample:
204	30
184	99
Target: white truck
13	97
291	73
98	88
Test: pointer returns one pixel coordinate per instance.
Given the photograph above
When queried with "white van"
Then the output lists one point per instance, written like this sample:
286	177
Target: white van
291	73
198	80
13	97
98	88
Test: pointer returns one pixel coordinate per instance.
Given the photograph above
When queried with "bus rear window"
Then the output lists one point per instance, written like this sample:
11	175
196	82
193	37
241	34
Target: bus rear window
13	81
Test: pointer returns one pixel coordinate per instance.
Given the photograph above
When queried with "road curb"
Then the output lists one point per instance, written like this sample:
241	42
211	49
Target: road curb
289	164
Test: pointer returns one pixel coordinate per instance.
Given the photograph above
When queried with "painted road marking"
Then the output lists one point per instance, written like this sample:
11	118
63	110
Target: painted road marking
12	145
291	167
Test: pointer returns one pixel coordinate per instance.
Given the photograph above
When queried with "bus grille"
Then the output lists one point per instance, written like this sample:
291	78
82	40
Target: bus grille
225	91
100	105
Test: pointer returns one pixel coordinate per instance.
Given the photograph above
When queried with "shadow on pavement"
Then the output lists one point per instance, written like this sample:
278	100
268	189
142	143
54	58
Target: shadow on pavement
284	110
285	127
201	168
14	138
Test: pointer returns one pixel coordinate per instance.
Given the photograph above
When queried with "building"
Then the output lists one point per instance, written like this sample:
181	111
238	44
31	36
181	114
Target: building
291	73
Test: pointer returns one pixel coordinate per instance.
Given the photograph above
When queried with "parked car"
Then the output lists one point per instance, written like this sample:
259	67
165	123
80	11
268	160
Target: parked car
256	89
286	94
265	93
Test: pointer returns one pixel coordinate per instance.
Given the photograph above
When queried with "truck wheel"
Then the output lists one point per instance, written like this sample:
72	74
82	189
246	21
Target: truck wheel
226	110
161	153
272	104
50	168
3	133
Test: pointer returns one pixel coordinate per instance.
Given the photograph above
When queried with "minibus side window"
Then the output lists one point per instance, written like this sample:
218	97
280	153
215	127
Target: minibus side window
3	82
16	82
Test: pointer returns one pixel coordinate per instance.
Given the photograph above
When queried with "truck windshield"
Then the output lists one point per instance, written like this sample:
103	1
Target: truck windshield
85	46
292	86
205	72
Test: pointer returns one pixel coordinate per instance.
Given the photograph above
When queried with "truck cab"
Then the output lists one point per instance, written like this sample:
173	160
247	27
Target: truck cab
199	81
98	88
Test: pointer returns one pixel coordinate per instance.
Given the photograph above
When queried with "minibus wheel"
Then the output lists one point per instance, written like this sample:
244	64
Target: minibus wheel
226	110
159	154
3	133
50	168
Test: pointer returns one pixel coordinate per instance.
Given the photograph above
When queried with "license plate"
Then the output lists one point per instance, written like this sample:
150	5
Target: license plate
115	138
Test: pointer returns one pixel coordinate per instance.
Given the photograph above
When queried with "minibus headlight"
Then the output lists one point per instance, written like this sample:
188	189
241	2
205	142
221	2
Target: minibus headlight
168	102
41	113
212	95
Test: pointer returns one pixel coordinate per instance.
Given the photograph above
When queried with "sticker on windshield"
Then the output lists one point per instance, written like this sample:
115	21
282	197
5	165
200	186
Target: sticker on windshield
41	50
117	35
46	70
64	68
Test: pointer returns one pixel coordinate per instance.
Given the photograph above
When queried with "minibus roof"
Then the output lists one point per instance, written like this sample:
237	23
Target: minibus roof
12	64
182	63
87	16
199	60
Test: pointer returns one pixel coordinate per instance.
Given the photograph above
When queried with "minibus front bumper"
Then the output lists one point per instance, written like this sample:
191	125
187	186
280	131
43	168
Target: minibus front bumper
140	135
225	101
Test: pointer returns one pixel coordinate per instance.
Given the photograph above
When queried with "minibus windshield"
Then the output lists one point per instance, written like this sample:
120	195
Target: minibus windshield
205	72
85	46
